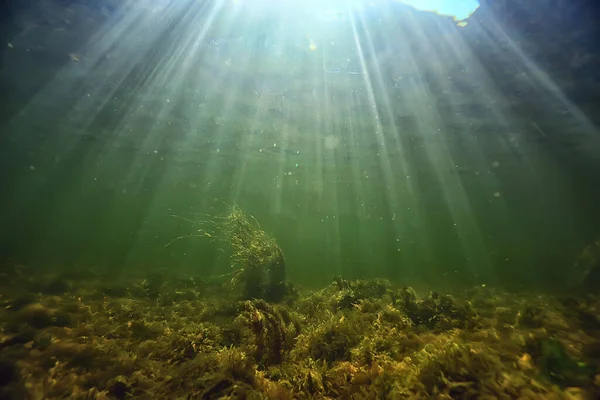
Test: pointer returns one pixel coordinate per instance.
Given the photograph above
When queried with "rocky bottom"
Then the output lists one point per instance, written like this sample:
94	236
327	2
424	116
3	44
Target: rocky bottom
89	336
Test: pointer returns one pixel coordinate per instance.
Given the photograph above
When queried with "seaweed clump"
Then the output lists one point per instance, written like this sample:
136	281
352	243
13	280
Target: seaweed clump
258	259
440	312
264	331
261	261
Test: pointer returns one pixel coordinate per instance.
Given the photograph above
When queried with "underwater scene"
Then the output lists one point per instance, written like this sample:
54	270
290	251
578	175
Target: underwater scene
271	199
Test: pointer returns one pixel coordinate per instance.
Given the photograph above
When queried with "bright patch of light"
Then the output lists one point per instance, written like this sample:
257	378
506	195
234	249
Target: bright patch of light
334	10
459	9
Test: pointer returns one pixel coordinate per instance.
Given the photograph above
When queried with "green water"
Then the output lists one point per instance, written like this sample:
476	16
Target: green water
377	144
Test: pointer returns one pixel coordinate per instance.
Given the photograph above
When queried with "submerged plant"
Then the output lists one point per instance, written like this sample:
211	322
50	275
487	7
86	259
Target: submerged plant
259	257
256	255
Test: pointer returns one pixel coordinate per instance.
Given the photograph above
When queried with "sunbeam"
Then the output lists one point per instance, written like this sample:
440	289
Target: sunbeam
376	127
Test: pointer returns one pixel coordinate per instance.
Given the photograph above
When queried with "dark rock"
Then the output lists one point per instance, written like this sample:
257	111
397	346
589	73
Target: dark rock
9	372
119	388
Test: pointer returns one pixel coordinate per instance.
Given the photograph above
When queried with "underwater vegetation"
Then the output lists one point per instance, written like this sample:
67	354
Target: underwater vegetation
258	259
261	261
89	335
